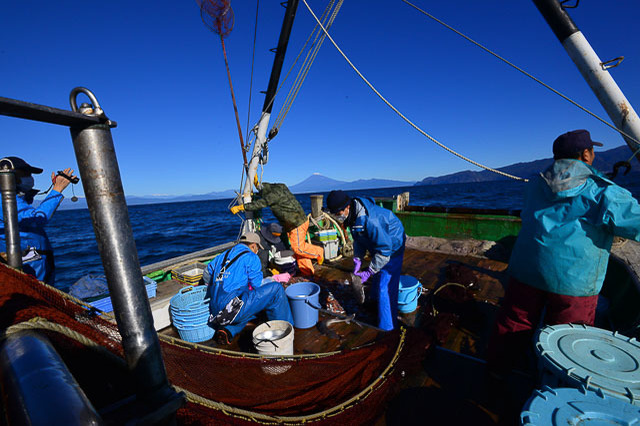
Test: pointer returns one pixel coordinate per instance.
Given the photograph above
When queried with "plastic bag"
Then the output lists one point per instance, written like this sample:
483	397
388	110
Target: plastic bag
90	287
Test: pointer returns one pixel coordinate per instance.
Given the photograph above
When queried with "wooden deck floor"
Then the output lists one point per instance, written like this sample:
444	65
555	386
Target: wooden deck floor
451	384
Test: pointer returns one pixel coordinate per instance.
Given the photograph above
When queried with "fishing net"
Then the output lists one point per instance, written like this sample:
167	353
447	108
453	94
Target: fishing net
222	387
217	15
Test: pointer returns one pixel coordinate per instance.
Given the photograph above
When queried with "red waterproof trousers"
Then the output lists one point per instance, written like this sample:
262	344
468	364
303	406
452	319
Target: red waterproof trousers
520	316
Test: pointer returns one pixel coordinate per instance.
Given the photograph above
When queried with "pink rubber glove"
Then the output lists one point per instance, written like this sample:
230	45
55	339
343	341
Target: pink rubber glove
357	264
364	275
282	278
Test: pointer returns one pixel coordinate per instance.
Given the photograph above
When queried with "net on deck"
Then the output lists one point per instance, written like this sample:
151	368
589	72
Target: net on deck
222	387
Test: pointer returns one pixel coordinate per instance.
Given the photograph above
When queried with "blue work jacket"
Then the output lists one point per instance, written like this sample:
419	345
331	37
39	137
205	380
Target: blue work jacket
570	216
31	223
244	272
379	231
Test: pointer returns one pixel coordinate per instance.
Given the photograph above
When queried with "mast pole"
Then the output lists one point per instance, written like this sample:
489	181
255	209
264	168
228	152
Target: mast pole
278	60
593	70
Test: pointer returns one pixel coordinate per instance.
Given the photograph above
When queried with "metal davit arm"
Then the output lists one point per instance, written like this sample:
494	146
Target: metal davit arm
593	70
95	153
98	165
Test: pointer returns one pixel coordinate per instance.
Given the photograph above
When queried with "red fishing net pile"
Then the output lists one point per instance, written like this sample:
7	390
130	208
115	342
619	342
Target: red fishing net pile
349	387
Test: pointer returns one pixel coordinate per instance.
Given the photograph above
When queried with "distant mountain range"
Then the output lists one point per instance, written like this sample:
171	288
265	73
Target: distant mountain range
314	183
604	161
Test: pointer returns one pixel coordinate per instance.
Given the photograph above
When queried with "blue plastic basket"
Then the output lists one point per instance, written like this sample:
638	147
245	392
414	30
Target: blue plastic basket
195	334
188	296
195	320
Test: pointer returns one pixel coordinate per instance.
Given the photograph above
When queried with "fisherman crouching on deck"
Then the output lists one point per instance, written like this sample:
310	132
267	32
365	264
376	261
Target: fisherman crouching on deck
379	231
571	214
237	291
291	216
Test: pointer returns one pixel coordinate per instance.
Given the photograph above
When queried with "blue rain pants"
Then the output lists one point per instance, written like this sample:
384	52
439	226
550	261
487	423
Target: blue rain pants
269	297
386	286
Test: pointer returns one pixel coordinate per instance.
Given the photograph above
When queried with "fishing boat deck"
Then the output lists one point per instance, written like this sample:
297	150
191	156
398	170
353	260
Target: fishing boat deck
472	310
461	295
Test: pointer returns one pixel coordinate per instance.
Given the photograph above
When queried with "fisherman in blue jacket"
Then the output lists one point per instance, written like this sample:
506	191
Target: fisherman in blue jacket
37	250
571	214
237	291
379	231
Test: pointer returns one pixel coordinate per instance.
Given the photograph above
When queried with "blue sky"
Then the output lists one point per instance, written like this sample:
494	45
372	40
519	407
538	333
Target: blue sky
159	72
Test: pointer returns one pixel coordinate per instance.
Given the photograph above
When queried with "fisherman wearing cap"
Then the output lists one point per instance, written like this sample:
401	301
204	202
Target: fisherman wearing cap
37	250
272	243
379	231
237	291
571	214
290	214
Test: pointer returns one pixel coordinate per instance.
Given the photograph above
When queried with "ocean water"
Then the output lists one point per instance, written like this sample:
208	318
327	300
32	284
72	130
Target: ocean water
163	231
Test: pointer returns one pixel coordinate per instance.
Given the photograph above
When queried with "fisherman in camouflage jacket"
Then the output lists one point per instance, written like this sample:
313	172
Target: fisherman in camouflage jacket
290	214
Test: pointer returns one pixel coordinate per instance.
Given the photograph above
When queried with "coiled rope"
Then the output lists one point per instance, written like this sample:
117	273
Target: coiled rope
412	124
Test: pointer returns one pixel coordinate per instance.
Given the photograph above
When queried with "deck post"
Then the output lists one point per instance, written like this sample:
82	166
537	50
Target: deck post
316	206
98	166
10	214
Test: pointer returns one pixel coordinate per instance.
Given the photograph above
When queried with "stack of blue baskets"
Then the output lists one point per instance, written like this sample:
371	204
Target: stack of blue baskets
190	314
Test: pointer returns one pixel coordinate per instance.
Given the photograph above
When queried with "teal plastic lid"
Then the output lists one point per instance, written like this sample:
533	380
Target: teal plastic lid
569	406
592	357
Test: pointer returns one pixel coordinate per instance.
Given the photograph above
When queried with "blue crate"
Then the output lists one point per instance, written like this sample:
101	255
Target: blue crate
105	304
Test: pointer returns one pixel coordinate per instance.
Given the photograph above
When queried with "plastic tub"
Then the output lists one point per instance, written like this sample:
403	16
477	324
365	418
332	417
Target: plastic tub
578	355
274	338
568	406
303	299
409	291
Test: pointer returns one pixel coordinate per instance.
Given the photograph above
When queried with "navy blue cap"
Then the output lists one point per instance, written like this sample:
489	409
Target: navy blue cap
337	200
18	163
571	143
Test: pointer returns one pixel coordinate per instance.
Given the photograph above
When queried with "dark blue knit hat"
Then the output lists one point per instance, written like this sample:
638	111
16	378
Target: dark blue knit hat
337	201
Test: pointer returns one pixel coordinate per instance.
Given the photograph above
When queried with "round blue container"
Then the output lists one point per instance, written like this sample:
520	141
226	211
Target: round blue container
568	406
408	294
303	299
578	355
190	314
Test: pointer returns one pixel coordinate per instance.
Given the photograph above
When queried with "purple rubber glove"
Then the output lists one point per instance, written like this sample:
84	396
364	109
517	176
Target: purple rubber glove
357	264
364	275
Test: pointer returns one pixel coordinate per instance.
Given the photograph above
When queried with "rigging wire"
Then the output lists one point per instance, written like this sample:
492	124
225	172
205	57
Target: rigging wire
295	61
524	72
253	56
432	139
304	69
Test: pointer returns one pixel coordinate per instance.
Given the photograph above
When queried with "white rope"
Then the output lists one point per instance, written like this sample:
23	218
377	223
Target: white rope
525	73
432	139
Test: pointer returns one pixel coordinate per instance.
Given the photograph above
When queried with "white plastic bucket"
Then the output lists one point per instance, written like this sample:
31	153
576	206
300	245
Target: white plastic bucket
274	338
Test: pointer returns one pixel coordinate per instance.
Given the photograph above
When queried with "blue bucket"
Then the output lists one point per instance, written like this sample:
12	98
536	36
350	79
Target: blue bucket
303	299
408	293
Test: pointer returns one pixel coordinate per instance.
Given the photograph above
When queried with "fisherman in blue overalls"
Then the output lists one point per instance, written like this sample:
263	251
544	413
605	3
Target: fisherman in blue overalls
37	252
237	291
379	231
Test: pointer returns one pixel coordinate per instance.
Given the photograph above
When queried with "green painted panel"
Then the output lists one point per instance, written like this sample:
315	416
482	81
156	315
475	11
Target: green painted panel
459	226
